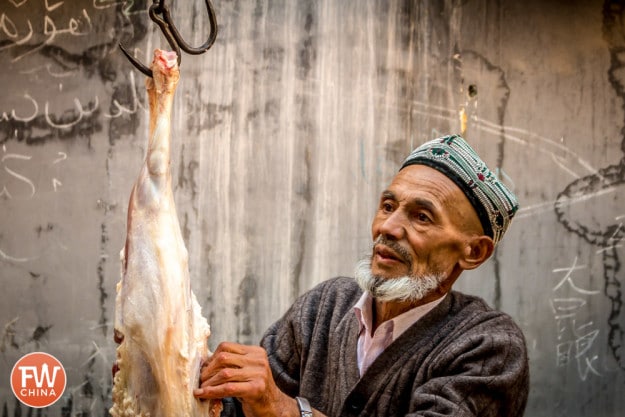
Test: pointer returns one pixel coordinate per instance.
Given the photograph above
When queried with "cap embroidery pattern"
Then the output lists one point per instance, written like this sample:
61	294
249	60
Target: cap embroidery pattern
494	203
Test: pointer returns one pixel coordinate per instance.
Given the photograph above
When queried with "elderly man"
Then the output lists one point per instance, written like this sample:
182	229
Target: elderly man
396	341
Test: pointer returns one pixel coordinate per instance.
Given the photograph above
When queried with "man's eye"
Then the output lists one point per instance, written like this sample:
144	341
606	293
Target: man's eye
387	207
422	217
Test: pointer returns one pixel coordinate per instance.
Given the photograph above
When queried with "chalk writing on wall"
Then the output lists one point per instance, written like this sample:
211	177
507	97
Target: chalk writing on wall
50	49
576	333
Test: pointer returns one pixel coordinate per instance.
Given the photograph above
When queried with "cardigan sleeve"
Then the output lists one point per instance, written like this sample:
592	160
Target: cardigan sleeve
283	351
287	341
297	344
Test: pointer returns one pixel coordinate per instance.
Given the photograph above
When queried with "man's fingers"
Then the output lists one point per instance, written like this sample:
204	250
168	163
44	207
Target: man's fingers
228	389
223	359
220	361
233	348
232	355
235	370
234	375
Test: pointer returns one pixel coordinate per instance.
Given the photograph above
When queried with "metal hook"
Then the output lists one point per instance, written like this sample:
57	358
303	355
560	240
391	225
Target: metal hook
172	34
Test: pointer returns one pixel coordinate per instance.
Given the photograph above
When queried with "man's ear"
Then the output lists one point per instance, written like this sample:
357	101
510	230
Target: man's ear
477	250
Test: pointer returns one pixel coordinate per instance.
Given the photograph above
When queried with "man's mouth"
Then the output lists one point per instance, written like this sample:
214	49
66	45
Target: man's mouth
389	253
386	254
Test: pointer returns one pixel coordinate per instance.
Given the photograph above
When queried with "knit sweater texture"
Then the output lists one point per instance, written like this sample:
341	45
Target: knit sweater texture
461	359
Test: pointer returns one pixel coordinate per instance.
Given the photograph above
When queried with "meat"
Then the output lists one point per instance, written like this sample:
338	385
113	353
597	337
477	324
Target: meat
158	321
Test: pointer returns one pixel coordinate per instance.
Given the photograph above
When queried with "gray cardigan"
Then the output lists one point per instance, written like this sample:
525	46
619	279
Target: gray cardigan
461	359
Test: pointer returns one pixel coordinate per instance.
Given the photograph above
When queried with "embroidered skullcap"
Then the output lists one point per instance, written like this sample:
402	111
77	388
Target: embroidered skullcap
494	203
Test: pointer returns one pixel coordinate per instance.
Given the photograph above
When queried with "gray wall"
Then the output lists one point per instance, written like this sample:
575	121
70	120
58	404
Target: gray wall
284	135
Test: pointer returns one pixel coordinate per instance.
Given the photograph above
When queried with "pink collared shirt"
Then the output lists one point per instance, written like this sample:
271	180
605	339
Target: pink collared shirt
371	346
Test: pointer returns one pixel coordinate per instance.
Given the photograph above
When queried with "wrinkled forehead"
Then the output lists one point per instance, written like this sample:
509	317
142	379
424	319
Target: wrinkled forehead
430	186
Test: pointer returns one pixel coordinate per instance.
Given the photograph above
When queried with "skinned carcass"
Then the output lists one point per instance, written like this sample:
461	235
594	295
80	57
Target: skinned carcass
158	321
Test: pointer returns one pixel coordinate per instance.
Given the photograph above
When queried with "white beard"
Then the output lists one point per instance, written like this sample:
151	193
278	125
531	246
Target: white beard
405	288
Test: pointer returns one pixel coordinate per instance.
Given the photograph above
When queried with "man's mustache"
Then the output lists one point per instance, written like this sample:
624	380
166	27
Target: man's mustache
395	247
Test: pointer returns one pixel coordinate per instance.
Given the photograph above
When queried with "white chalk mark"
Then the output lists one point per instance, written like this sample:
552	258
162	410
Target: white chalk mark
567	278
56	183
566	304
72	27
589	367
105	4
81	113
15	174
51	31
563	202
18	4
97	352
576	330
566	200
54	6
33	50
8	26
496	129
48	68
22	41
533	209
560	162
135	103
14	156
8	334
432	115
613	238
571	268
62	157
84	13
12	258
22	178
27	118
618	229
438	112
6	193
600	251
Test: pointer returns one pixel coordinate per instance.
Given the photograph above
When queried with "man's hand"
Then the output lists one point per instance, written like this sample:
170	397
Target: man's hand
243	372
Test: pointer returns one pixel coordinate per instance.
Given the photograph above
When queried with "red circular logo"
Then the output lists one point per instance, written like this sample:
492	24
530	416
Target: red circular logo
38	379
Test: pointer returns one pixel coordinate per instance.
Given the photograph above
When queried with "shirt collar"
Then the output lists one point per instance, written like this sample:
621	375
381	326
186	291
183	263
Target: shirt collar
364	313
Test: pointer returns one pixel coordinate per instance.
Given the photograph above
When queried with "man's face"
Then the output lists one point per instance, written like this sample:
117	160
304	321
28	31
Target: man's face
422	226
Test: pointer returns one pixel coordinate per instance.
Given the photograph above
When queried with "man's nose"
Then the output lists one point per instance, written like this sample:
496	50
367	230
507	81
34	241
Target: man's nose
394	226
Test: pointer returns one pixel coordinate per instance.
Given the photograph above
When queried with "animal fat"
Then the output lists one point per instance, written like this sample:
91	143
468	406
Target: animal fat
158	321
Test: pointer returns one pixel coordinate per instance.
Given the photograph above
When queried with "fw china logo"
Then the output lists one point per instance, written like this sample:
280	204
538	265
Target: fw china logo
38	379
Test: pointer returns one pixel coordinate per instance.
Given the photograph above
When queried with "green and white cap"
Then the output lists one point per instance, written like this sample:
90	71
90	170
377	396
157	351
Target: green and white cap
493	202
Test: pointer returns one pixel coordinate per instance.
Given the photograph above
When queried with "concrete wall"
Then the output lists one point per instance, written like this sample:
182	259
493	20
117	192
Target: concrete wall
284	134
